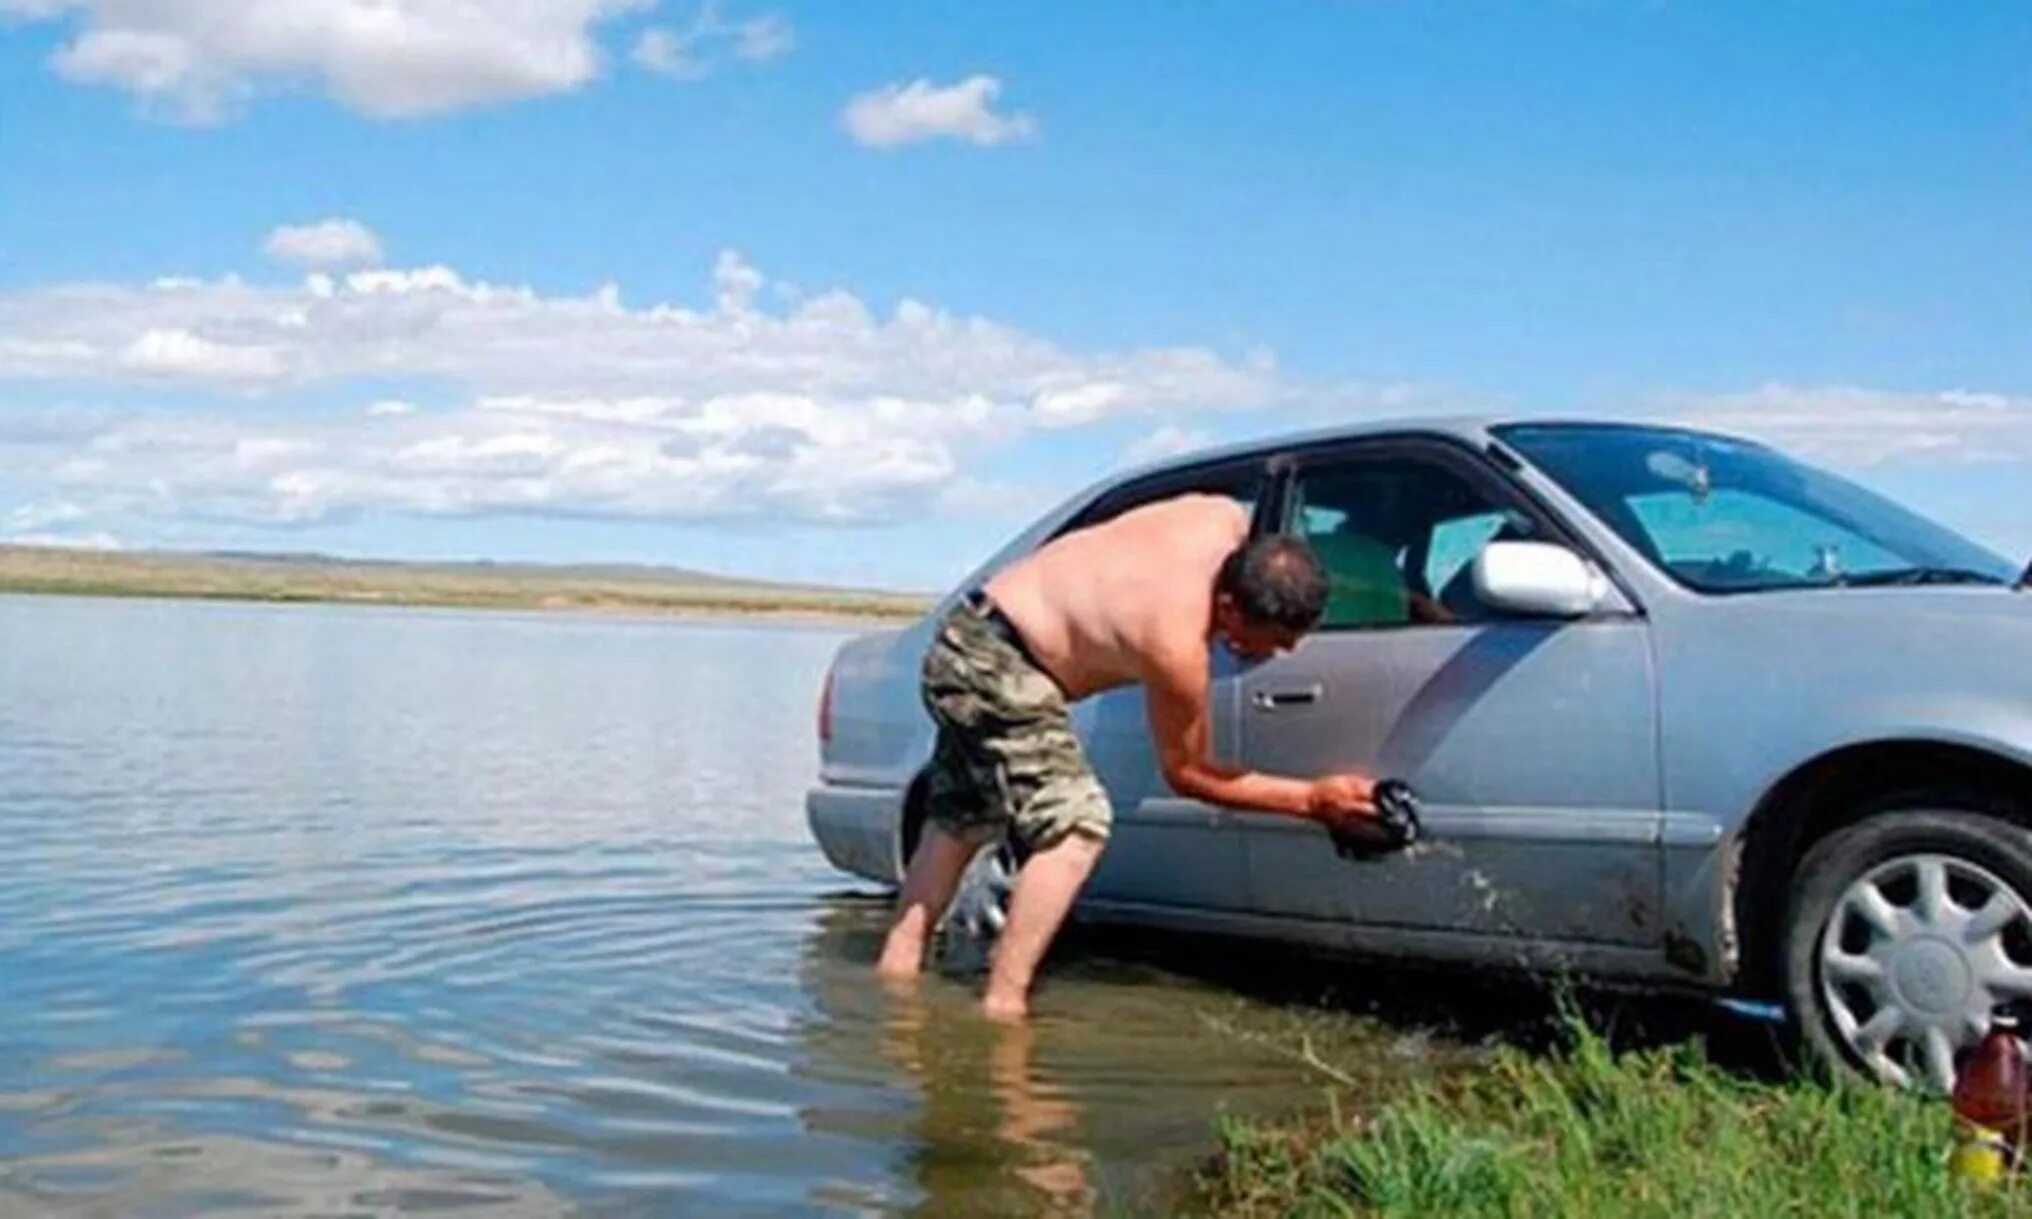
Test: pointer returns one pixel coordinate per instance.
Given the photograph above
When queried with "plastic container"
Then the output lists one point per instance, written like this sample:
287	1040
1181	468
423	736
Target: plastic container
1990	1102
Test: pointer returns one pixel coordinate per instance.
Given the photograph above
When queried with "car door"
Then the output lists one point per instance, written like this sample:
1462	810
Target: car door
1531	742
1165	850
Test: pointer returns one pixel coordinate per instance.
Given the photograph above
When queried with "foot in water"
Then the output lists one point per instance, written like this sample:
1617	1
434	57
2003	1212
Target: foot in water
1004	1009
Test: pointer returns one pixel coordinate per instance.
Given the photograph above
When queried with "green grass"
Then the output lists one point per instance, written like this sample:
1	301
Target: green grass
1589	1131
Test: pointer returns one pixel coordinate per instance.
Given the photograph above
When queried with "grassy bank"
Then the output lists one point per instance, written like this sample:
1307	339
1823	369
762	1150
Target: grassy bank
1588	1131
38	569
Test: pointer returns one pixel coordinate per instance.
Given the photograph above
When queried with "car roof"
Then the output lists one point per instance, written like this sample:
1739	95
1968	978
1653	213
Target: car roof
1476	430
1472	428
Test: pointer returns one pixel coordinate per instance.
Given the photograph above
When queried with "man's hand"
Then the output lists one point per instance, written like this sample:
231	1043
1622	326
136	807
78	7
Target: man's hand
1339	798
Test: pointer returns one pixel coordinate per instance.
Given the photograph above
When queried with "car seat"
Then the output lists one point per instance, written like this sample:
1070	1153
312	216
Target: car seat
1365	585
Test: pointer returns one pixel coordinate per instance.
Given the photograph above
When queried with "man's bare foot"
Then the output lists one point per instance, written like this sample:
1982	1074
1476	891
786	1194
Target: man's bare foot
1004	1009
902	986
899	969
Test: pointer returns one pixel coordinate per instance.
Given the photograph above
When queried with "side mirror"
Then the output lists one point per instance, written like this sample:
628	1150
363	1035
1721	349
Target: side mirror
1537	580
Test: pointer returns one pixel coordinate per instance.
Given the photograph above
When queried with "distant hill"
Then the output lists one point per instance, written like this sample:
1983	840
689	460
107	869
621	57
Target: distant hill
242	576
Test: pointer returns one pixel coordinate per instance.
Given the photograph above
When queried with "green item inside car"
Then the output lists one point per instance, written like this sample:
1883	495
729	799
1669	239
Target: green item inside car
1366	587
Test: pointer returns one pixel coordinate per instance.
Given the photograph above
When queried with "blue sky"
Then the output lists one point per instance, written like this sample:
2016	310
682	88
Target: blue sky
1118	229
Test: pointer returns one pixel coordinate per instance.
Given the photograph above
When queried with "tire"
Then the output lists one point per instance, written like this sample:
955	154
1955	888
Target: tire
1902	932
980	906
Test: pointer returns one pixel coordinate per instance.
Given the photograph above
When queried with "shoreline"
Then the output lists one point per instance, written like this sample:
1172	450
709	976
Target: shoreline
281	580
787	615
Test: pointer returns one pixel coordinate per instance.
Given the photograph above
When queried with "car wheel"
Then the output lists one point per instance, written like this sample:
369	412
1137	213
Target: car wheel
980	906
1903	932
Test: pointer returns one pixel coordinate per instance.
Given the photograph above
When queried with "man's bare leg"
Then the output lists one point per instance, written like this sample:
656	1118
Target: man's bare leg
928	886
1045	890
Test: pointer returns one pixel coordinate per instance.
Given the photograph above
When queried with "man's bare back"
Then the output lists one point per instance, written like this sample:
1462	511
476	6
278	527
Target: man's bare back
1097	605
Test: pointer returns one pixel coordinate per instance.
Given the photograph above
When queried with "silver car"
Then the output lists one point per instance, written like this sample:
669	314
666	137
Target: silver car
1681	712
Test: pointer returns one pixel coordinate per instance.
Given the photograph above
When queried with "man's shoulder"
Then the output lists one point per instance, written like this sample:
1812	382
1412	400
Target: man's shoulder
1189	514
1210	499
1208	506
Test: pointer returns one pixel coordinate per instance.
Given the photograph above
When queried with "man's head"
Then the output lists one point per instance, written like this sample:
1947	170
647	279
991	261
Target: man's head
1269	593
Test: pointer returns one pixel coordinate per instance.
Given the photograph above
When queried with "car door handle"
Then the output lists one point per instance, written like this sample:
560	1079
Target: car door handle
1278	700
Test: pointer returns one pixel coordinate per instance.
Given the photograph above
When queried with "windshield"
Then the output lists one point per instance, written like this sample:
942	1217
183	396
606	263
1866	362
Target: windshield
1728	516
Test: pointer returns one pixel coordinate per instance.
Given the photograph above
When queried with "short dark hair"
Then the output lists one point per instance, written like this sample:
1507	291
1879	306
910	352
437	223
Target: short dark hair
1275	580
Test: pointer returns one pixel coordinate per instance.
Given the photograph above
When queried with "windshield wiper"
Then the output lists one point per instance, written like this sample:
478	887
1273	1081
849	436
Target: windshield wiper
1905	577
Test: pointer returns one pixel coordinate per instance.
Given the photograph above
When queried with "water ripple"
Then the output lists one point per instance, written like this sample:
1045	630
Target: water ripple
317	910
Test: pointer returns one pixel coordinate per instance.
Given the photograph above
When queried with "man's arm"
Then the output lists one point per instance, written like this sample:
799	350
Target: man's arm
1176	685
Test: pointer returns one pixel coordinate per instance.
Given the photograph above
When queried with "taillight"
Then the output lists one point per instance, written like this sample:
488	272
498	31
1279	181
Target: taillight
825	710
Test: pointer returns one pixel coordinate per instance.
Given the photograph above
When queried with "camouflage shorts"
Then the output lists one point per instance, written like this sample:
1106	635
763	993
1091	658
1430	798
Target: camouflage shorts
1006	757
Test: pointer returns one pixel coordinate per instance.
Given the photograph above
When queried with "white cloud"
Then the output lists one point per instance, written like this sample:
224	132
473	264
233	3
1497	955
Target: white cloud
43	515
690	53
1856	427
895	115
771	456
1169	440
666	51
764	38
432	322
54	522
824	409
197	60
94	540
735	284
1084	402
178	353
989	499
335	242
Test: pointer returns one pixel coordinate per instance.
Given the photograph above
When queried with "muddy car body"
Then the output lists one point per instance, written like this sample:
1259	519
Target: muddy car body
1688	713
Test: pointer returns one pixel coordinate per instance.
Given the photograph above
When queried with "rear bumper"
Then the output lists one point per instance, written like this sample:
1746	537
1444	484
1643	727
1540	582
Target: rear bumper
857	828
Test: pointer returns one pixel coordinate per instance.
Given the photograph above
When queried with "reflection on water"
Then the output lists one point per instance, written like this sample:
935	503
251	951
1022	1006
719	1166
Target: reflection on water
317	910
982	1092
990	1123
1108	1095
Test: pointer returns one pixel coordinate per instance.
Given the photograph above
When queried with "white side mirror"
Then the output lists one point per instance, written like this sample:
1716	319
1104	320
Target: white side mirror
1538	580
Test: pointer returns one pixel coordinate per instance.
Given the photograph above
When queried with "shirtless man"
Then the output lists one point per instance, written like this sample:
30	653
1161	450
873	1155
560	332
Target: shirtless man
1140	598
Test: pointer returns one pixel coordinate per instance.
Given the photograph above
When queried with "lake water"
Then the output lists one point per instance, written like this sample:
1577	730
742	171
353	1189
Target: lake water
323	910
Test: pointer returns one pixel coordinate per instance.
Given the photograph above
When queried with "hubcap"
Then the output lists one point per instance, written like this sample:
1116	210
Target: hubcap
981	903
1918	951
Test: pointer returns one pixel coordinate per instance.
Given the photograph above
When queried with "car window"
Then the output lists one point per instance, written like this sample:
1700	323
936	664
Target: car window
1720	515
1738	538
1240	481
1397	536
1456	542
